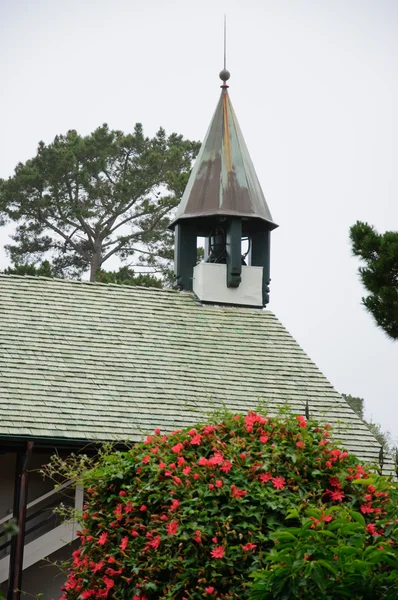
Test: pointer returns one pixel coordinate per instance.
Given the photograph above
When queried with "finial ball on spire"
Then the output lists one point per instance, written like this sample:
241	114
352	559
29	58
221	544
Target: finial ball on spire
225	75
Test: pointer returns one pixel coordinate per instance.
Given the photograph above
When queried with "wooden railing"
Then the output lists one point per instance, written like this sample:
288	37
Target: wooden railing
46	530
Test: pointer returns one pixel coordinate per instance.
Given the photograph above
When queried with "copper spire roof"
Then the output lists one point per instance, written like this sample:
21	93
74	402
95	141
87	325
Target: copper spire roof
223	180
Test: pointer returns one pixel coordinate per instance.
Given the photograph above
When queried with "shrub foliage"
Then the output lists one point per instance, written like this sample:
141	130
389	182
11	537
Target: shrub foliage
196	513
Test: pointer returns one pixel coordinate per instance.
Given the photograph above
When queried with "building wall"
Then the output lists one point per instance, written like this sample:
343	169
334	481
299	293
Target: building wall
43	577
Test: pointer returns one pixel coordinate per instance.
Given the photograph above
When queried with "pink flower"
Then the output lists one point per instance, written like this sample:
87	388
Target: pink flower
278	482
186	470
263	439
217	552
264	477
172	527
202	462
157	431
300	444
209	589
124	542
328	464
175	504
219	483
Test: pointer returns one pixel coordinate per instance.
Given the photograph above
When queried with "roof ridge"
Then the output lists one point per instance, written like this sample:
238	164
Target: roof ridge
83	282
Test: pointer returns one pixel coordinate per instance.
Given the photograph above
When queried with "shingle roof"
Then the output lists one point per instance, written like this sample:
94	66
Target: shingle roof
86	361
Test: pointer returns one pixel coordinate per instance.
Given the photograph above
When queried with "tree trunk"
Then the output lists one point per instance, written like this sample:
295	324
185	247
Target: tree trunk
96	261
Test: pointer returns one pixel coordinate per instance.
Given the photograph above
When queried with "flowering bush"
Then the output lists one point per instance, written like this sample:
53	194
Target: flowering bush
193	514
333	555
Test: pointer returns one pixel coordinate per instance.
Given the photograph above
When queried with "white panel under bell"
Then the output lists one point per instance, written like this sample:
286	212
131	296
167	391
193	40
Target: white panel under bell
210	285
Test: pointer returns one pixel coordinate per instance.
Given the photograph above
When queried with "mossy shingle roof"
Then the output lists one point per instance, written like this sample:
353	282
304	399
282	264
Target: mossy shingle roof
84	361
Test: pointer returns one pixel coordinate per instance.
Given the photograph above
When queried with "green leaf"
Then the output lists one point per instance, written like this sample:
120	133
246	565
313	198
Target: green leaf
357	517
328	566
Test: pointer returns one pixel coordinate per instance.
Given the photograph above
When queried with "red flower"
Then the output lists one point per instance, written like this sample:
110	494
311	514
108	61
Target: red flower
264	439
336	495
102	538
249	546
227	466
96	566
122	493
108	582
157	431
155	543
264	477
177	448
198	536
300	444
328	464
146	459
371	489
219	483
209	589
186	470
143	508
172	527
371	529
217	552
175	504
236	492
196	440
124	542
202	462
278	482
334	482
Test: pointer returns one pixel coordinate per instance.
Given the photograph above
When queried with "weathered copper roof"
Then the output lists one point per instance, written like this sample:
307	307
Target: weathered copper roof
223	180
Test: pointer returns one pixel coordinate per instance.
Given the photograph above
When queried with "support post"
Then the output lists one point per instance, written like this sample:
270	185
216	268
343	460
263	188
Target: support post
260	257
234	252
184	255
19	514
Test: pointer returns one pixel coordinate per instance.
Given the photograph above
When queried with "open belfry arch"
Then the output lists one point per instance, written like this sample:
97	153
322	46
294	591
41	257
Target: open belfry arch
82	363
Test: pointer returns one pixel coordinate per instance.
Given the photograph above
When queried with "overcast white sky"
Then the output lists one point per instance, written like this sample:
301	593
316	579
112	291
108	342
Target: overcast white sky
315	87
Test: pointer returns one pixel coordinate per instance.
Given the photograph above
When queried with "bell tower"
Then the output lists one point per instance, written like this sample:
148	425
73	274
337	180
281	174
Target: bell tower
224	203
